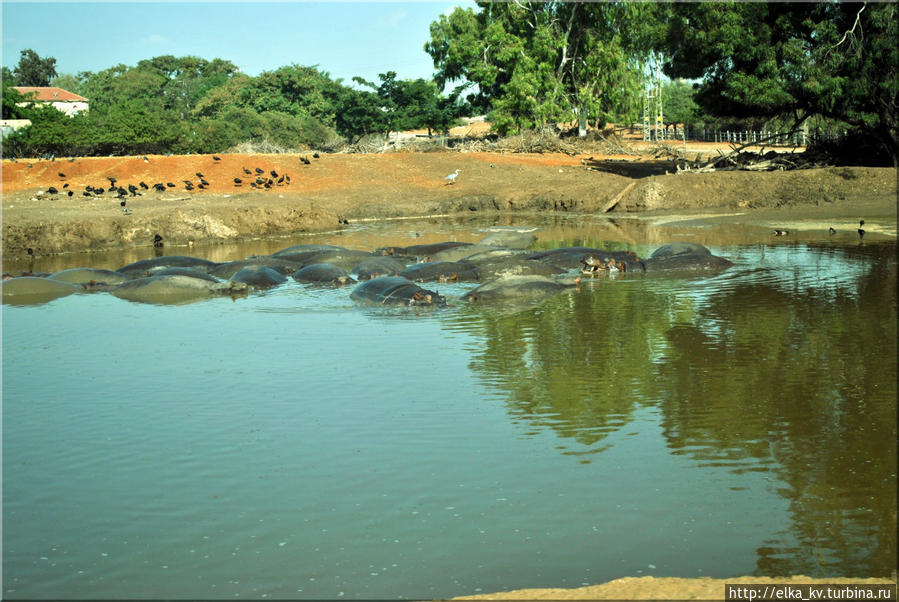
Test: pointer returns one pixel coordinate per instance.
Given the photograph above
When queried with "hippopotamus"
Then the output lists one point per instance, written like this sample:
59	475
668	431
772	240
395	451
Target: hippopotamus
259	277
90	276
514	239
342	258
395	291
442	271
32	290
684	256
498	266
228	269
420	251
517	288
326	274
569	258
595	266
303	253
175	290
148	266
380	265
476	251
189	272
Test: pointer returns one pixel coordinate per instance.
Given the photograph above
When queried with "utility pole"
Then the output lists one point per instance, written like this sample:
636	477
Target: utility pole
653	116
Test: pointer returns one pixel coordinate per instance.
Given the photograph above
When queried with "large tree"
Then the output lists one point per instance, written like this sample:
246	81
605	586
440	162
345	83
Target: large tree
837	60
32	70
538	63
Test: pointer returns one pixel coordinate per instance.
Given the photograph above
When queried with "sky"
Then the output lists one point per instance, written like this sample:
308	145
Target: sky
344	39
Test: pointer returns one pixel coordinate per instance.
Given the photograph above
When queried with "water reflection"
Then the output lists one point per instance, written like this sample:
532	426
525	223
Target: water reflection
785	364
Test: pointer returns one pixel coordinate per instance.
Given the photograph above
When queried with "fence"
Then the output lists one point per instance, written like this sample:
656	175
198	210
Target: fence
762	137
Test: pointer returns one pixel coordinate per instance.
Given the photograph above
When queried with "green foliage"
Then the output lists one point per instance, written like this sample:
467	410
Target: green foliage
536	64
836	60
32	70
11	97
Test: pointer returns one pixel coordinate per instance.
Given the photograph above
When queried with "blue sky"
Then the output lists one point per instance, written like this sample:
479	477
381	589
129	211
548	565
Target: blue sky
342	38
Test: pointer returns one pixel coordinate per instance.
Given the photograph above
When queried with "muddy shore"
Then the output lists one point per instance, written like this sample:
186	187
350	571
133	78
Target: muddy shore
333	191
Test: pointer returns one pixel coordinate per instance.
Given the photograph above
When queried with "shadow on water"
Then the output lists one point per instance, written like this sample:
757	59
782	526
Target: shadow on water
785	365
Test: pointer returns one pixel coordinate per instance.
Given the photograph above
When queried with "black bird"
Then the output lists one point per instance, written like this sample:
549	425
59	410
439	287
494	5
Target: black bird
315	156
199	175
779	232
247	171
66	185
259	170
169	184
281	180
204	182
159	187
831	230
305	161
70	193
132	189
98	191
274	173
238	181
187	182
111	180
122	203
288	178
122	191
52	190
260	180
60	174
144	185
86	193
157	241
861	233
214	158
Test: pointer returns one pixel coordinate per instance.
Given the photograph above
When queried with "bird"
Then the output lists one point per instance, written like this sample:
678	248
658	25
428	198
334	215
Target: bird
169	184
861	233
157	241
66	185
122	203
259	170
60	174
144	185
780	232
70	193
305	161
274	173
450	179
831	230
199	175
315	155
215	158
247	171
52	190
203	182
146	160
112	180
238	181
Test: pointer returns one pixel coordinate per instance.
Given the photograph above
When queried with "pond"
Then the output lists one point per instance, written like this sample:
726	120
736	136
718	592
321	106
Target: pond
295	445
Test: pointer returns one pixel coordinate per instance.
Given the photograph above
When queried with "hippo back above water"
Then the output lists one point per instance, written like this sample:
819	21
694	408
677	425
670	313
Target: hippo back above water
395	291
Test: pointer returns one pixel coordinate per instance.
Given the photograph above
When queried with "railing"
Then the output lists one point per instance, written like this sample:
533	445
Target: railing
761	137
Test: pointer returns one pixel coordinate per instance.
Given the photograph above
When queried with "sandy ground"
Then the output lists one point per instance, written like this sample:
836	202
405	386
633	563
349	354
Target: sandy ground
666	588
334	190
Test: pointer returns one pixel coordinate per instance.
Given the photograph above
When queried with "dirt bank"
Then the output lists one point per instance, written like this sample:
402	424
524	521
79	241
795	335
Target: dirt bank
334	189
666	588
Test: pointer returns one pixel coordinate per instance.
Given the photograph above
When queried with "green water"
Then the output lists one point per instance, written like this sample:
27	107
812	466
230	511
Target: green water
294	445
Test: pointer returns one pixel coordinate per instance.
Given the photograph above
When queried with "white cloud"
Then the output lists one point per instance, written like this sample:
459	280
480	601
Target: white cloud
155	38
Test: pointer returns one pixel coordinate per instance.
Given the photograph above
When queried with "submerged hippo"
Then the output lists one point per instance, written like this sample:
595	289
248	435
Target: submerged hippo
259	277
513	239
569	258
442	271
175	290
497	266
517	288
373	267
325	274
395	291
420	251
89	276
32	290
282	265
189	272
144	267
684	256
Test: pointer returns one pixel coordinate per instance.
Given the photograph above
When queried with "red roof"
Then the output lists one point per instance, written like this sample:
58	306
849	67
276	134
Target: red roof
49	94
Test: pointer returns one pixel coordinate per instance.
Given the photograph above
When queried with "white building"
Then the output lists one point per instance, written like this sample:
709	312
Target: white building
61	100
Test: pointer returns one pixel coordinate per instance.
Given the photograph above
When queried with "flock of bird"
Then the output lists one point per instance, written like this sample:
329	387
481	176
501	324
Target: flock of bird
257	178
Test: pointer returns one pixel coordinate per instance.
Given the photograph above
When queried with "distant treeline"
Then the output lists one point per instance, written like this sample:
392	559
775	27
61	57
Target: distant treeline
190	105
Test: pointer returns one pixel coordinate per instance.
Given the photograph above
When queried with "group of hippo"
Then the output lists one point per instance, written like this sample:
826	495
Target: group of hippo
500	264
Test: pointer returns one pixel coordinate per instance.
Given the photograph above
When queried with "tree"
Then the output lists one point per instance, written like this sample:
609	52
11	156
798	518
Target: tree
32	70
837	60
538	63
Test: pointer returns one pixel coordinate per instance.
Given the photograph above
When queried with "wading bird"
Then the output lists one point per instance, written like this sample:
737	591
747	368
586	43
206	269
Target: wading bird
450	179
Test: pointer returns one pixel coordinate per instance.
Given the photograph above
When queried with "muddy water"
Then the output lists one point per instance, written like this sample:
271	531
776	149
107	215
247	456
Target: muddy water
293	445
